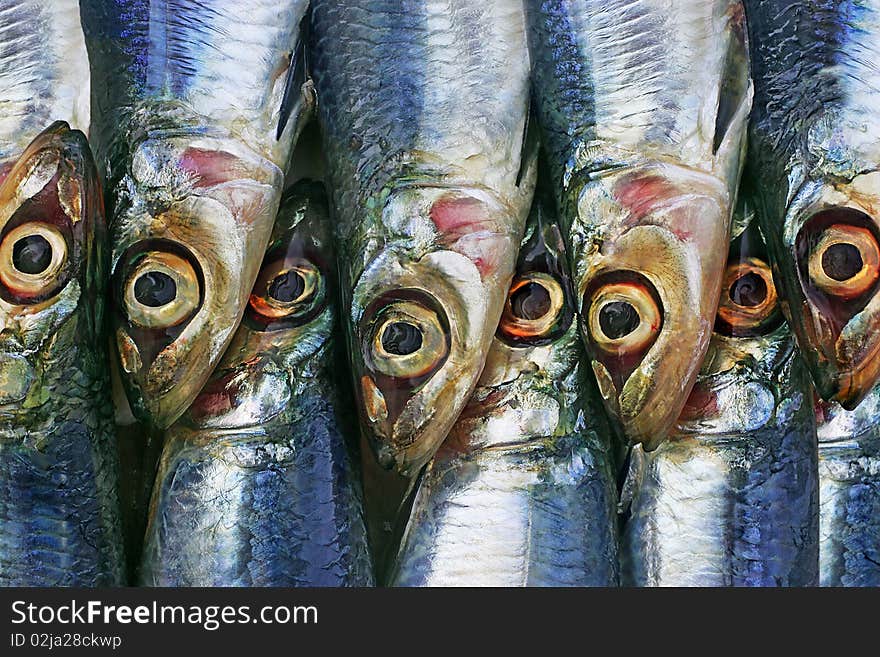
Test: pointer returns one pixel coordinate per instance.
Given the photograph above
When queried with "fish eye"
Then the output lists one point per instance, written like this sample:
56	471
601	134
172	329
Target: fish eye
533	308
289	290
405	340
33	261
845	261
162	290
748	299
623	317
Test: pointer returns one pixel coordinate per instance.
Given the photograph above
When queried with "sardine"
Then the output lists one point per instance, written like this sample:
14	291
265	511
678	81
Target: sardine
424	109
195	108
815	162
523	491
849	493
256	486
731	498
643	105
59	516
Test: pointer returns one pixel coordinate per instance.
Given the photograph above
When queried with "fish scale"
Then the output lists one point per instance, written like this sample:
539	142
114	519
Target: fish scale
284	521
849	493
192	52
42	64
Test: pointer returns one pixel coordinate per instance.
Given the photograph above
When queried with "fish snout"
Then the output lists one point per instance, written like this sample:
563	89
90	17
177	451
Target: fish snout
188	244
405	342
431	304
649	290
837	254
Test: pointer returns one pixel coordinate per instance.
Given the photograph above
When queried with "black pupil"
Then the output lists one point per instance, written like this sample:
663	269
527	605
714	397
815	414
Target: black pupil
749	290
287	287
842	261
401	339
618	319
155	289
32	254
530	302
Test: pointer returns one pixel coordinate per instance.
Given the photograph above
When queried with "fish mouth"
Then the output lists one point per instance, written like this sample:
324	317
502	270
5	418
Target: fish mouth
184	264
834	294
650	291
421	326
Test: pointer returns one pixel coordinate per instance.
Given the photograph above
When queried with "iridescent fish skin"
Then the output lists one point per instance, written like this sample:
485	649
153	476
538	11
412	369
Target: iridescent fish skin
59	516
424	113
523	491
731	497
643	106
195	110
849	492
44	72
814	159
256	486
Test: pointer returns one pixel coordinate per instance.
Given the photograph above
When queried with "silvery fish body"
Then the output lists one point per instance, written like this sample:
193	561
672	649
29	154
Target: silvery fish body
44	71
195	109
849	493
59	516
523	491
643	105
731	497
424	112
814	160
256	485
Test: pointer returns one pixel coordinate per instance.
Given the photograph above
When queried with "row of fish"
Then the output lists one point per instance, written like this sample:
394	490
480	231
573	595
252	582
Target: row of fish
607	380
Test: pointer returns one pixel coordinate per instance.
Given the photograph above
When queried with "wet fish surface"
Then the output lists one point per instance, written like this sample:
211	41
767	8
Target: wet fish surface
849	493
195	110
424	111
731	497
44	72
643	107
815	163
523	491
59	515
256	484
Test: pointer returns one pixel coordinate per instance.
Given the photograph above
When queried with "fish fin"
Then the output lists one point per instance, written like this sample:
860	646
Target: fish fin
529	147
299	93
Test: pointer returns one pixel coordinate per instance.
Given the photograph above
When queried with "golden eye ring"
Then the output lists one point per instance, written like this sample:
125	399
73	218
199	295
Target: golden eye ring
533	306
407	341
749	294
288	290
32	257
623	318
162	291
845	262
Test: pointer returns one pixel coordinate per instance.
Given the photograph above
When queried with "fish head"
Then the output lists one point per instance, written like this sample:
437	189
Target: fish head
829	269
530	378
282	342
52	238
745	383
191	218
648	269
423	313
